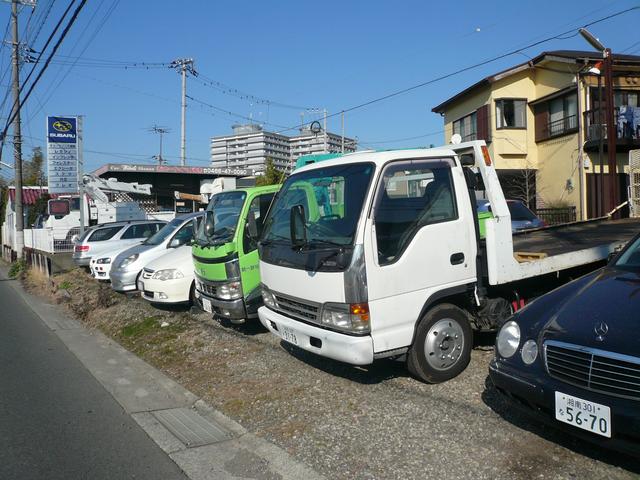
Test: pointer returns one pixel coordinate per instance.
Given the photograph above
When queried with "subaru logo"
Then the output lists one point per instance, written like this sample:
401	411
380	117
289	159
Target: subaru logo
601	329
62	126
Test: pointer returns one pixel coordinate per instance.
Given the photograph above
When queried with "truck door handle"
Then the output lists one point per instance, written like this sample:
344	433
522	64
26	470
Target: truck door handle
457	258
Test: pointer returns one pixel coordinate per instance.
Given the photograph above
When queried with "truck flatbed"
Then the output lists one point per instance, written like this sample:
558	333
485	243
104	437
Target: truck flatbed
576	236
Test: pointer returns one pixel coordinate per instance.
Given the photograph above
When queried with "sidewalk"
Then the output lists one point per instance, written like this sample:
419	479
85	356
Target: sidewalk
203	442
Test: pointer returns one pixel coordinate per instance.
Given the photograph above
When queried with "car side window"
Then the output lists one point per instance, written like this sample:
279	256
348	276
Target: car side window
185	234
411	195
143	230
255	221
102	234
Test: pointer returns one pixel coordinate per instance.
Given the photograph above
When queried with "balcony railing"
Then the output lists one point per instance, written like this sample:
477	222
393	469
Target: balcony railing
595	127
557	128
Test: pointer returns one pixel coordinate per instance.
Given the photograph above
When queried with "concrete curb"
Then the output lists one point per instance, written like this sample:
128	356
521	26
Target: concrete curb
202	441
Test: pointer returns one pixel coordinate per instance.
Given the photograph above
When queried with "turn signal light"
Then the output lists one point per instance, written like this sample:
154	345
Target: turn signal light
361	310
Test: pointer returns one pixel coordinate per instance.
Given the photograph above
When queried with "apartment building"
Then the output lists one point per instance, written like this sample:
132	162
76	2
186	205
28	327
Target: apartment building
250	146
543	121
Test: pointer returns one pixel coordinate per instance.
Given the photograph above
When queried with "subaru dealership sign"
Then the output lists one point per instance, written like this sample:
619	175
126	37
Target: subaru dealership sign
64	153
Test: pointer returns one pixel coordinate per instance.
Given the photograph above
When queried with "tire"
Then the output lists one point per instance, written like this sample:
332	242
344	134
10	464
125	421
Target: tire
441	348
192	295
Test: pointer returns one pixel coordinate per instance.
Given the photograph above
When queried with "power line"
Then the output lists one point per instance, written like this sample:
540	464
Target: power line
470	67
227	90
43	69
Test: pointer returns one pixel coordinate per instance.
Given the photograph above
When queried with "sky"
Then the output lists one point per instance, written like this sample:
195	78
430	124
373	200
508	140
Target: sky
271	61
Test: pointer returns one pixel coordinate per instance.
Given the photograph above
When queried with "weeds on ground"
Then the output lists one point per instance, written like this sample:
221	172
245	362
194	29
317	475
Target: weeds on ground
66	285
17	268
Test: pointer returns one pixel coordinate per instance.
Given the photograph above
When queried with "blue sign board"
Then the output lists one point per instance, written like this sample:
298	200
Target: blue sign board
64	152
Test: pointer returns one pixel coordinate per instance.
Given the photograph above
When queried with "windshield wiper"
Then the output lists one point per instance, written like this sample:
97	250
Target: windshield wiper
279	239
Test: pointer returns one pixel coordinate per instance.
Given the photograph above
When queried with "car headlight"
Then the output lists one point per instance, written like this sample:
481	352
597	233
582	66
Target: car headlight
529	352
269	298
352	317
508	339
103	261
229	291
168	274
129	260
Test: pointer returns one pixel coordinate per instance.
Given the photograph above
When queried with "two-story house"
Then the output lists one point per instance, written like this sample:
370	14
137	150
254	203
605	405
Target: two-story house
541	120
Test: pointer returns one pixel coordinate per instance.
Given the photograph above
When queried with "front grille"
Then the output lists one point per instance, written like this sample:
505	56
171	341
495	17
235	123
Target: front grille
596	370
208	289
297	308
147	273
148	293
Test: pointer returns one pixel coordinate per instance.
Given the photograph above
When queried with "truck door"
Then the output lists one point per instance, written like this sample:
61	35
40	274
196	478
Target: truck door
422	240
248	252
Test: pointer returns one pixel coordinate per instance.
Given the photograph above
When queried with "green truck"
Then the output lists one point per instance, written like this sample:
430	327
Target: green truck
225	254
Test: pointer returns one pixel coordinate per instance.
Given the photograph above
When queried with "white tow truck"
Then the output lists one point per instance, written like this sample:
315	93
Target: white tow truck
388	257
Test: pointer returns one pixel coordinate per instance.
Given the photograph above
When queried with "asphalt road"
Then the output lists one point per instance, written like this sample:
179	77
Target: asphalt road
56	420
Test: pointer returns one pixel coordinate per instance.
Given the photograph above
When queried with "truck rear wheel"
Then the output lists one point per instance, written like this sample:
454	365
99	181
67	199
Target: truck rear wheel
441	349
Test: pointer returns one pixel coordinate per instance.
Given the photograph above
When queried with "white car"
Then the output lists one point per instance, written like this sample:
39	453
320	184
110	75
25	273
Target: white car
100	266
169	278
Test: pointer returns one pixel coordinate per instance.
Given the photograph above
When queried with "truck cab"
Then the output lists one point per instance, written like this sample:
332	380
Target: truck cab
225	253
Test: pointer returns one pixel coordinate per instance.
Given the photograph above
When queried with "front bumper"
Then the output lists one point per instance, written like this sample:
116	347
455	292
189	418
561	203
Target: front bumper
234	310
536	395
100	271
123	280
356	350
165	291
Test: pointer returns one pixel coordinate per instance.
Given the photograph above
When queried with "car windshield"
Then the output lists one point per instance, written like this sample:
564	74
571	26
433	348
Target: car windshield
519	212
226	208
331	198
630	259
166	231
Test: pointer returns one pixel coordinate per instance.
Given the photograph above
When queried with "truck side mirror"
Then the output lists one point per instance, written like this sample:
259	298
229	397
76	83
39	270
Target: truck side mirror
298	227
209	224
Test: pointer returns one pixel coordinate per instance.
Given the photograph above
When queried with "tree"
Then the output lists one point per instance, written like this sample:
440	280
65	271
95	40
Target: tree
33	170
272	176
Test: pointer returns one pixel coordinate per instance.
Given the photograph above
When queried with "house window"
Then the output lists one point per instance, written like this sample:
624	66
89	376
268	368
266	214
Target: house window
467	127
511	113
556	117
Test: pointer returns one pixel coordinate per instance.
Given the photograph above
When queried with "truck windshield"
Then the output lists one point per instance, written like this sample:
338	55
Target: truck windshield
226	208
162	234
332	199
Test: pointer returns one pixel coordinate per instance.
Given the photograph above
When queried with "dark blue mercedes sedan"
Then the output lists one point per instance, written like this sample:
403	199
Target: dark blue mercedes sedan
572	356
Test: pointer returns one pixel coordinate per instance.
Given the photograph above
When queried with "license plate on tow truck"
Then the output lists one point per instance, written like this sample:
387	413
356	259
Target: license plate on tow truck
288	335
590	416
206	305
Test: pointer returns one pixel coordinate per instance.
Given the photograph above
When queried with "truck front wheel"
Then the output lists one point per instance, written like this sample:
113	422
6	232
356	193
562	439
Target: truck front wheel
441	348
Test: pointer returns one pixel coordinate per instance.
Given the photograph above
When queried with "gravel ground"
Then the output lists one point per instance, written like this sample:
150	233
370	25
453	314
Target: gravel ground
344	421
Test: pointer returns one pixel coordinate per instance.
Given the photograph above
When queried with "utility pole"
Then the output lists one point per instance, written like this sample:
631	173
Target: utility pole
17	135
184	65
342	137
325	132
611	130
160	131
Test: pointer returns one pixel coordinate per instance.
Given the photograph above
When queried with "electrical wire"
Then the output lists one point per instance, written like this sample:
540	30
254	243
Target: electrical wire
43	69
468	68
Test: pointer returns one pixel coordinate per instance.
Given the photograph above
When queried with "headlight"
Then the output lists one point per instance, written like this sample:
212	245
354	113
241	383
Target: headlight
529	352
229	291
349	317
103	261
168	274
129	260
269	298
508	339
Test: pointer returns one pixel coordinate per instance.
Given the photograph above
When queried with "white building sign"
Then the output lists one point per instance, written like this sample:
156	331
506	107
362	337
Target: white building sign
64	153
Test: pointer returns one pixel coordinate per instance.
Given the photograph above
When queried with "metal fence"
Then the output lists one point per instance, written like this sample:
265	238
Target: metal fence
50	240
556	216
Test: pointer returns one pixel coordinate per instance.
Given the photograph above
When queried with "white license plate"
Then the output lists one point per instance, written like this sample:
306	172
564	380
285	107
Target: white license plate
288	335
140	286
584	414
206	304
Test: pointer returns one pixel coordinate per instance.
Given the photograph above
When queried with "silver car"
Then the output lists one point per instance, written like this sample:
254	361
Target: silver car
103	238
128	265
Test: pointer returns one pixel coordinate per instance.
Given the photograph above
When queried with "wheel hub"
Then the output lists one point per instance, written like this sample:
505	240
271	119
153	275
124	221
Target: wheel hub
443	344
